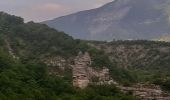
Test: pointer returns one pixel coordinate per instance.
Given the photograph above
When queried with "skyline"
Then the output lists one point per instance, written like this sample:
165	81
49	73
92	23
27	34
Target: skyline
41	10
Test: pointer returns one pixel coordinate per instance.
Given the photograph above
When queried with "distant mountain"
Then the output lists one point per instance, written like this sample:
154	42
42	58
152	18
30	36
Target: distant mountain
120	19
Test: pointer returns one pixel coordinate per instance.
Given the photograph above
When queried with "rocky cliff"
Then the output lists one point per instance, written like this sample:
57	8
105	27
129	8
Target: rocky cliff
83	74
146	92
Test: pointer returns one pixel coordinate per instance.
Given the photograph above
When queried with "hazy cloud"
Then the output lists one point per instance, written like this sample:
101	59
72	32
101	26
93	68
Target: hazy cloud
40	10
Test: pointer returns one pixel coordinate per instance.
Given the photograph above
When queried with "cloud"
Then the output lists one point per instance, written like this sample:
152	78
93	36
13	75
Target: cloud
99	3
40	10
50	7
46	11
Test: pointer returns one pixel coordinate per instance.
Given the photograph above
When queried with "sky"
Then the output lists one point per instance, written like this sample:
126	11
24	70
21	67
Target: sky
41	10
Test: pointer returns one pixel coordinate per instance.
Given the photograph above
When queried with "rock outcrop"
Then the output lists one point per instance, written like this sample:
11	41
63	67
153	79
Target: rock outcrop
83	74
146	92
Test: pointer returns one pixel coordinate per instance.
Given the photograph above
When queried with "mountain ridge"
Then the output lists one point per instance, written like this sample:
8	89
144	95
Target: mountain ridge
120	19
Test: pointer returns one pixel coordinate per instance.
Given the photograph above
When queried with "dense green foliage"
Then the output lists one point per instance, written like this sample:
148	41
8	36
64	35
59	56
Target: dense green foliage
141	60
133	61
27	78
30	81
100	60
31	40
164	83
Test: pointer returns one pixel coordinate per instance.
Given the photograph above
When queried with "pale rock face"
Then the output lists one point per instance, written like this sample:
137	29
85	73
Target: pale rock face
83	74
80	76
147	92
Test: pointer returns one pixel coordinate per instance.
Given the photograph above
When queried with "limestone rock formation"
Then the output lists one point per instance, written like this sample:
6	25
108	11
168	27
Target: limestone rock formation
83	74
147	92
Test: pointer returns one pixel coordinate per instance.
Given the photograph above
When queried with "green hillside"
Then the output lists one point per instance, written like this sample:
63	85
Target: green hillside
146	61
23	76
32	39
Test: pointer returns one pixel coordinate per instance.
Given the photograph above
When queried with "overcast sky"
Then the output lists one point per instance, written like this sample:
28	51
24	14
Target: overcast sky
40	10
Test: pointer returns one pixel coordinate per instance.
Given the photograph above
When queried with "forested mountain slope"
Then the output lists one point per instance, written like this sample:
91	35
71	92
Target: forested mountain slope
148	58
24	73
36	63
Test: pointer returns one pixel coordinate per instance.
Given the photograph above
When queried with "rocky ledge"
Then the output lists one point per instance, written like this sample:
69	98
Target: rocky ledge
83	74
